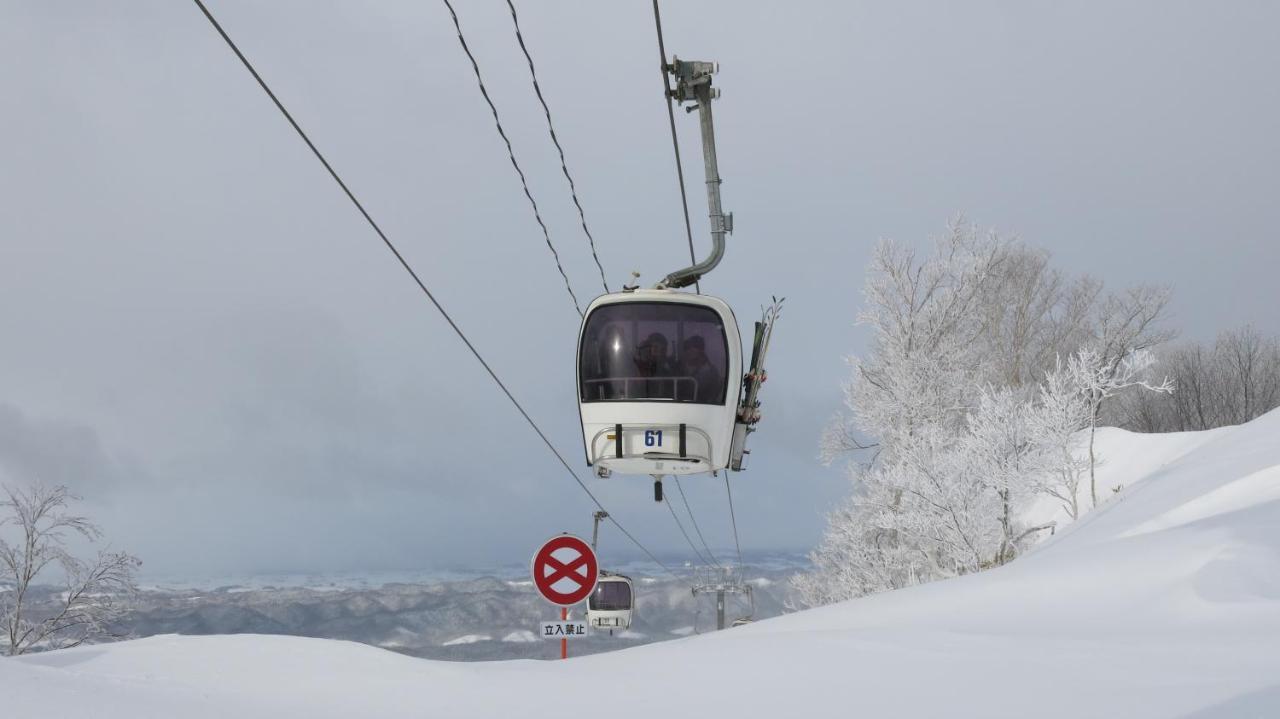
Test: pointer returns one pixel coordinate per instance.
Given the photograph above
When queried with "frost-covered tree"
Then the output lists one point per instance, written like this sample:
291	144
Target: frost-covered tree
856	557
948	503
925	321
1007	455
950	327
1062	412
1101	377
1031	314
947	399
38	526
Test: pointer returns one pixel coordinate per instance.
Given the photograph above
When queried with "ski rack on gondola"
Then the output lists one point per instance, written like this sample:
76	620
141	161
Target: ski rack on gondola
749	409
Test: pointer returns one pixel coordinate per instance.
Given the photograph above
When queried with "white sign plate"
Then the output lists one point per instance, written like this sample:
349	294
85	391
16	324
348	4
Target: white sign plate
563	630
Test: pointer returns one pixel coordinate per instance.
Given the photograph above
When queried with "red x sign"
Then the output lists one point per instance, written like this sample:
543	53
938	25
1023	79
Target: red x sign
565	570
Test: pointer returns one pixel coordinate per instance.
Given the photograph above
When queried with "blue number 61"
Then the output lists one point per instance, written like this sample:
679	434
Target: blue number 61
653	438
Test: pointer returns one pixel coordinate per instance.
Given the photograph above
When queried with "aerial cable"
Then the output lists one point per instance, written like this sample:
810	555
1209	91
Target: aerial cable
701	559
421	285
675	143
694	520
573	190
733	518
524	183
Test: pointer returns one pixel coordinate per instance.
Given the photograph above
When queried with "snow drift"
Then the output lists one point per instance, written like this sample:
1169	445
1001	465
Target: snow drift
1163	603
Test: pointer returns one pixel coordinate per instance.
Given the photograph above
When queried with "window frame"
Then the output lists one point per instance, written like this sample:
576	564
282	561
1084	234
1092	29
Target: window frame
724	338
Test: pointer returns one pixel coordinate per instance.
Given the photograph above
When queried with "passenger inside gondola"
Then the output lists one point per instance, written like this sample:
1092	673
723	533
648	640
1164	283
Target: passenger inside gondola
651	357
693	362
653	352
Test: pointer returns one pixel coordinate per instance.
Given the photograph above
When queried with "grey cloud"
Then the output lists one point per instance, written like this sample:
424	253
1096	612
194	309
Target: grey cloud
59	453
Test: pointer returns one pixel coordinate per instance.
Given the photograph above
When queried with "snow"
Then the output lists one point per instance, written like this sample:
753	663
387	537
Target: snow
1164	602
1124	459
467	639
521	636
1263	486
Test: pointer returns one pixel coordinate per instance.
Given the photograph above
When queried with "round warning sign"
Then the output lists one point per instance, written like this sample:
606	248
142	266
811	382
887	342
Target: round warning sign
565	570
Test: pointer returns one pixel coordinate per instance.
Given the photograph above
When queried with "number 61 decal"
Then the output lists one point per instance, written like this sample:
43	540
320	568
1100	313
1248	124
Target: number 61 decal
653	438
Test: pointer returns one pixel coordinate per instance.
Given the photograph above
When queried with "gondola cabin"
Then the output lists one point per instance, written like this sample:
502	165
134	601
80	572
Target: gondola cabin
611	604
659	374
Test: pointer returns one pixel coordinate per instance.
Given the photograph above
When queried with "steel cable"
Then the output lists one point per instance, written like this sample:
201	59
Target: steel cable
422	286
694	520
733	518
564	167
675	143
701	559
524	183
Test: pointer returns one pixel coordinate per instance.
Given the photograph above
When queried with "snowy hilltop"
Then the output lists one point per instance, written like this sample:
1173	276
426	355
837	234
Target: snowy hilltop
1164	602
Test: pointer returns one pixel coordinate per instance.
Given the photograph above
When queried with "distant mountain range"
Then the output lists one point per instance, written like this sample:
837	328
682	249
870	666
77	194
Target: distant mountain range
477	618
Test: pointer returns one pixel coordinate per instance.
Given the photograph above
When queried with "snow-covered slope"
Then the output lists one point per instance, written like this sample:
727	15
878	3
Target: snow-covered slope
1163	603
1124	458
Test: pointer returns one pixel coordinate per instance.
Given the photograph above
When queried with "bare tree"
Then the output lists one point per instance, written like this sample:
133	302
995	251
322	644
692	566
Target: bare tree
93	589
1230	382
1031	315
1131	322
1251	364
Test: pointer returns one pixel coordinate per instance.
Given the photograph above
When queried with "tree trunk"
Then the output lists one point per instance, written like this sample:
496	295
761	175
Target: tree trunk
1093	484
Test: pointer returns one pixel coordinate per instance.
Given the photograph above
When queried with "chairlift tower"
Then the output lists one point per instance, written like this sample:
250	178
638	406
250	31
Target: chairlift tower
596	518
723	581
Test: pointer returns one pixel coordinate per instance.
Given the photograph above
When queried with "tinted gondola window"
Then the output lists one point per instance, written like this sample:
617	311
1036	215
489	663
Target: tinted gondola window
654	351
610	597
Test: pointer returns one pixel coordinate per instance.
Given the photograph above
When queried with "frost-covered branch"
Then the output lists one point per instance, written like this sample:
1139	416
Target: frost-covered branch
93	590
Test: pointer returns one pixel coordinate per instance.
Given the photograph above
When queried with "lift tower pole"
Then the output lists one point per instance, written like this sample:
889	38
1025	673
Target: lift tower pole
721	581
599	515
693	84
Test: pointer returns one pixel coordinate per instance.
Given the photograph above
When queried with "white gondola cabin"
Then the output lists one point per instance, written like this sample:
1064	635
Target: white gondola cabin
659	377
611	604
663	388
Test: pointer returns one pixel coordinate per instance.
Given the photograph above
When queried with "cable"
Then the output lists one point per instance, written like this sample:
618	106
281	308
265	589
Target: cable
573	190
695	522
511	153
422	286
694	547
734	518
675	143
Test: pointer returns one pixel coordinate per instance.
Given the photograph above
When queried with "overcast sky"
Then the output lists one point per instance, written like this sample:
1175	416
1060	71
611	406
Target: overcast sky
200	335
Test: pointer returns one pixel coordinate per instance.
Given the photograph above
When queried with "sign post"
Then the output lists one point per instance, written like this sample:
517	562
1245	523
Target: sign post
565	572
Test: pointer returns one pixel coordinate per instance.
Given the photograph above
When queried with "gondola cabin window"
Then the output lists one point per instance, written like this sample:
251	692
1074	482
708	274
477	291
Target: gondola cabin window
611	596
654	351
